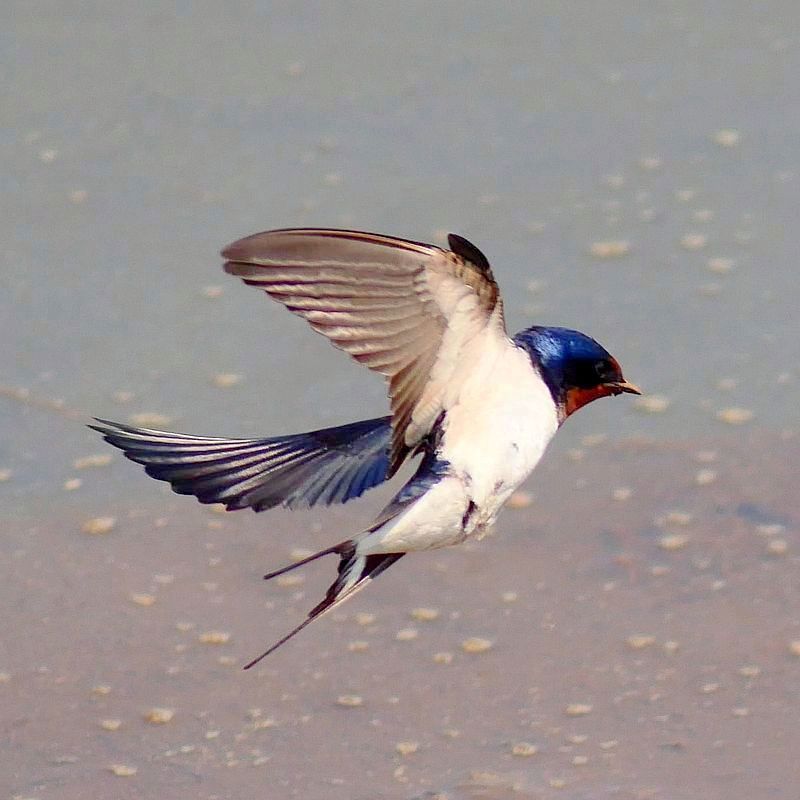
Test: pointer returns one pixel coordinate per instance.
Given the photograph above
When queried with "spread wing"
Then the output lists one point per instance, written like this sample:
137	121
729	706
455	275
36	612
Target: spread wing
415	313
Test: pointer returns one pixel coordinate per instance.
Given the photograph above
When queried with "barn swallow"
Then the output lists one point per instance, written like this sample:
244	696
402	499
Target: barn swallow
478	406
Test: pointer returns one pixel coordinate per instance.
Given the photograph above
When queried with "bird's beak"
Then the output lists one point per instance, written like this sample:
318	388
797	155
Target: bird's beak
624	386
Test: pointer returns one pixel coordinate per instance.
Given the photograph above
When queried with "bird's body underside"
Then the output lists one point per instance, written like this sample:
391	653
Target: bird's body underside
474	403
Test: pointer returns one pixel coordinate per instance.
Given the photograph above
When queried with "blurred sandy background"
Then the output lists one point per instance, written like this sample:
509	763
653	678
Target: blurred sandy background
630	170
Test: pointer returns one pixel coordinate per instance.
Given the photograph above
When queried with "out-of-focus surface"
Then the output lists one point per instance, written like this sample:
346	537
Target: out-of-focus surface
630	172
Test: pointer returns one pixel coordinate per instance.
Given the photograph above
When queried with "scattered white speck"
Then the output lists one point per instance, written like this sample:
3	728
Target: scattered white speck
735	416
727	137
122	770
350	700
613	248
224	380
694	241
578	709
98	526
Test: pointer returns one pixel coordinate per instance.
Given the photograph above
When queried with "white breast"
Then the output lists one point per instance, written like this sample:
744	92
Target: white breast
499	428
494	434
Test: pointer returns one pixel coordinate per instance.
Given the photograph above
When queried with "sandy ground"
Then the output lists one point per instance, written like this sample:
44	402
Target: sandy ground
632	172
640	640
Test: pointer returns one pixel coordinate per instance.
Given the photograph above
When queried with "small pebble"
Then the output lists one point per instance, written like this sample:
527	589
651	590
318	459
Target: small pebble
98	460
224	380
609	744
694	241
101	689
794	647
141	599
578	709
524	749
363	618
682	518
214	637
97	526
777	547
640	641
443	658
750	671
425	614
406	634
580	761
407	748
358	646
122	397
622	493
159	716
212	292
652	404
740	712
727	137
476	645
613	248
671	647
509	597
110	724
122	770
78	196
735	416
705	477
5	475
520	500
72	484
720	265
350	700
673	541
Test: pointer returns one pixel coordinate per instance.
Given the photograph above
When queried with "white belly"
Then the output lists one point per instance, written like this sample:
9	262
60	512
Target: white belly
493	436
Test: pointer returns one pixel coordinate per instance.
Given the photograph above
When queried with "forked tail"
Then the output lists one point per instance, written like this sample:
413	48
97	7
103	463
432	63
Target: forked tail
355	572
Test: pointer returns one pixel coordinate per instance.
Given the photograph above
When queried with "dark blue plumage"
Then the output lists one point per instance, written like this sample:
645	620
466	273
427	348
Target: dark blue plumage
331	465
567	359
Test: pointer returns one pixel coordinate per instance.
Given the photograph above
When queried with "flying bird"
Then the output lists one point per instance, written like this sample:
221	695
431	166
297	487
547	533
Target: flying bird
477	405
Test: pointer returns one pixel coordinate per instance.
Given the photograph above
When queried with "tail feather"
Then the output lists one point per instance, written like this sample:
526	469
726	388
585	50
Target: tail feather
331	465
355	572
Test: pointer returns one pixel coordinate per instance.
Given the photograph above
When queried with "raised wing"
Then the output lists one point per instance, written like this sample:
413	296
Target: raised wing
409	311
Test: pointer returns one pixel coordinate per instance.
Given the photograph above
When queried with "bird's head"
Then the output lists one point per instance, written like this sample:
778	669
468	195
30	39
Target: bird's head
574	366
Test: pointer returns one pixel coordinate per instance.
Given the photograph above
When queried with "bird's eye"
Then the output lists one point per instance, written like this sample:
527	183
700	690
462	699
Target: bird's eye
604	371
